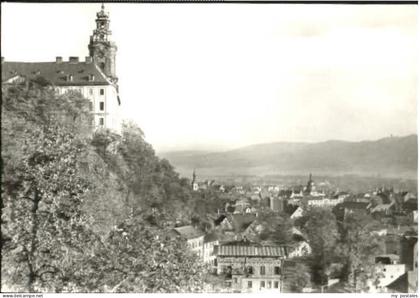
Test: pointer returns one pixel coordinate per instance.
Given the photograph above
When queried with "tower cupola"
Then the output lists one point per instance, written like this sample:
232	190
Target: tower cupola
101	48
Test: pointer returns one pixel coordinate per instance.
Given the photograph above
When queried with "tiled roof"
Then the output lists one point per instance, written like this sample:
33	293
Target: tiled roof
219	219
241	221
56	72
250	251
382	207
355	205
188	232
210	237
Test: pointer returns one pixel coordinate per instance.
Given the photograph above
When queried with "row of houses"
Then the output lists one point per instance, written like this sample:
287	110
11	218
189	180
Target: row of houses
233	252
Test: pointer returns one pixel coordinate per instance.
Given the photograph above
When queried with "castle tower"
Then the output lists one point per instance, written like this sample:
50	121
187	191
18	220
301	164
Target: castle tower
101	48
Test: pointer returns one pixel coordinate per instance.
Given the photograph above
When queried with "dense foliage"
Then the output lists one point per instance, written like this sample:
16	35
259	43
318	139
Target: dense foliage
86	213
357	246
322	231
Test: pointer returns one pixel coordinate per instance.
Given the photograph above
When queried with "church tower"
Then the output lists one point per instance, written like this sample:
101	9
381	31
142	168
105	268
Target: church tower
101	48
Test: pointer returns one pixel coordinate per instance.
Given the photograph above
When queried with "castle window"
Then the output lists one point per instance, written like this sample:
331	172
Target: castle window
90	106
90	91
277	270
101	121
269	284
276	284
101	106
102	91
262	270
262	284
249	284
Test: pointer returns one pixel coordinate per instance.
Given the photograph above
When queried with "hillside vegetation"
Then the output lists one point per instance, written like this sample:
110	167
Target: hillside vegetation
393	157
88	213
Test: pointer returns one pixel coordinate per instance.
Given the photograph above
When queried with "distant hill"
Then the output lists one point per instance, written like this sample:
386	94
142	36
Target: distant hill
387	157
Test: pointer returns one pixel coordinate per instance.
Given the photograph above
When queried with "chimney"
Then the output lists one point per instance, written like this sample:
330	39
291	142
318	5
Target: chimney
73	59
58	59
91	78
88	59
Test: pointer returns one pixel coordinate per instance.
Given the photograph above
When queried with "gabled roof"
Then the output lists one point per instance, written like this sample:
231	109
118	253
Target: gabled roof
219	219
210	238
56	72
297	211
188	232
382	207
251	251
240	222
410	196
399	285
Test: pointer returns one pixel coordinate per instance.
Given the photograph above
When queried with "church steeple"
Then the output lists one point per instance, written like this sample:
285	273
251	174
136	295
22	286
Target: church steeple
101	48
310	185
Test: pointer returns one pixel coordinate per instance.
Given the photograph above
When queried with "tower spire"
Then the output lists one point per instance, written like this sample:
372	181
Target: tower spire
101	48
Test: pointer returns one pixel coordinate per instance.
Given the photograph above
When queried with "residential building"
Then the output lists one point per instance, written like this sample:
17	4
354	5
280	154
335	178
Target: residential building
410	202
299	249
251	268
210	242
194	238
349	207
234	224
388	269
413	273
297	213
407	282
321	201
383	210
95	78
277	204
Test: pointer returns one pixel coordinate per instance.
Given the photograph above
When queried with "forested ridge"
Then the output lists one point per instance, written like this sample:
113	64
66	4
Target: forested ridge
89	213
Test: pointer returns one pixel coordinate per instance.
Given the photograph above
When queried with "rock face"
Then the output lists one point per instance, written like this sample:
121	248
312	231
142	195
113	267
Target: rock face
393	157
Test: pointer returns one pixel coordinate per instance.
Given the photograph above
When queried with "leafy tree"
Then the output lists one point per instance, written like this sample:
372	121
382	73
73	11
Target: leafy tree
300	279
142	258
322	231
276	228
357	248
43	228
63	191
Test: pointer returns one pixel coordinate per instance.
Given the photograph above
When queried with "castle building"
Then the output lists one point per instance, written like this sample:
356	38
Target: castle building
95	77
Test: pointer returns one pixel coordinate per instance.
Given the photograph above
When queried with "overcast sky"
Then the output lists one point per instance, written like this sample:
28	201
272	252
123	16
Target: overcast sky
220	76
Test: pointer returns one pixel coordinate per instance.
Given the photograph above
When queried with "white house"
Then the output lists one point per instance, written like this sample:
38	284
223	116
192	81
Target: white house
194	238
